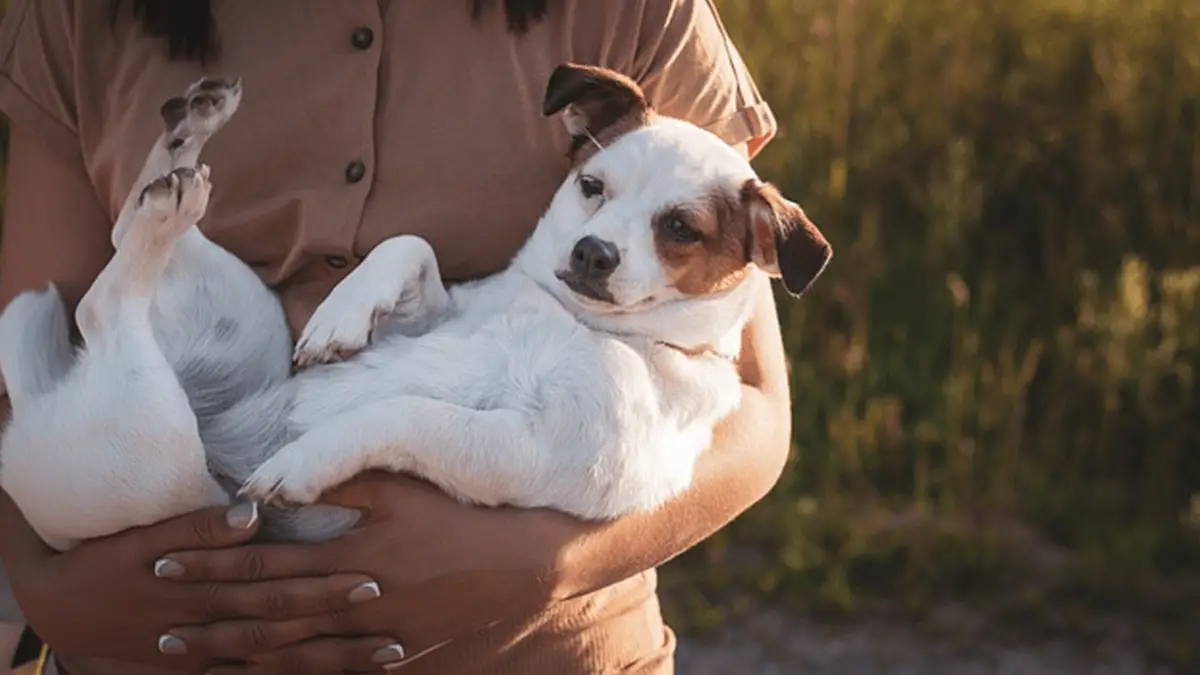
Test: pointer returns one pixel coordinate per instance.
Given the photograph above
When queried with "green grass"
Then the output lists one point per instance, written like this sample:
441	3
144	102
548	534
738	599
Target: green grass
995	393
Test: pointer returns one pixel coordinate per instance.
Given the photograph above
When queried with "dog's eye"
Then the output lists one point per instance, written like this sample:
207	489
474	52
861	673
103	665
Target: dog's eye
680	231
590	186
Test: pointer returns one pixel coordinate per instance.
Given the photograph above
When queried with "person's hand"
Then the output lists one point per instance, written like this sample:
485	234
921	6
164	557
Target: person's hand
103	598
444	569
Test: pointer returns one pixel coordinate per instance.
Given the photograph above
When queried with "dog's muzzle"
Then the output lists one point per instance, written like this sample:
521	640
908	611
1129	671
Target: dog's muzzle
593	261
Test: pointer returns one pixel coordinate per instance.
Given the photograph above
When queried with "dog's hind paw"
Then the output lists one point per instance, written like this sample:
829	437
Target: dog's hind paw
288	479
178	198
309	353
202	110
337	331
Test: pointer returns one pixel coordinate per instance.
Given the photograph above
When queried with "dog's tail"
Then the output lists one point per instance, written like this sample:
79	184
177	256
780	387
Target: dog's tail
240	438
35	345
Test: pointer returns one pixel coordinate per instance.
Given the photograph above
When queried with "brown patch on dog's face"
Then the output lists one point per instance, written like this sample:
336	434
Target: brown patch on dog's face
708	247
598	105
704	247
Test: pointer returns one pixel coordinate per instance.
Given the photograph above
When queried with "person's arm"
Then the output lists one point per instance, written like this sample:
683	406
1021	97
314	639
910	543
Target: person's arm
690	70
743	464
10	639
54	230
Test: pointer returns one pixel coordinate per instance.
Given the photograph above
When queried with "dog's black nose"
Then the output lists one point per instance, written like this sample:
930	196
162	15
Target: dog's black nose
594	259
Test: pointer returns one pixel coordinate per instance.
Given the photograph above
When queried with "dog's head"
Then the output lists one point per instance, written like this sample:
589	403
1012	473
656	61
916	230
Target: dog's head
658	211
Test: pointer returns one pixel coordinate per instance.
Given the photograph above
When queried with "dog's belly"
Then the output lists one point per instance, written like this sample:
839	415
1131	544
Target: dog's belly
476	360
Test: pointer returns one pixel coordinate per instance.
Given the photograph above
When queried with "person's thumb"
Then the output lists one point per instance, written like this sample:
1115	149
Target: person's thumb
215	527
376	493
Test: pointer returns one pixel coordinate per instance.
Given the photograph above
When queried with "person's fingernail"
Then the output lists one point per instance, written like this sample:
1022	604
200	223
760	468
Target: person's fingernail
243	516
171	645
389	654
165	568
364	592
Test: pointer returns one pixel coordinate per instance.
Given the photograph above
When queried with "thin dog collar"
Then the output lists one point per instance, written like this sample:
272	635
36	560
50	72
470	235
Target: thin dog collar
694	352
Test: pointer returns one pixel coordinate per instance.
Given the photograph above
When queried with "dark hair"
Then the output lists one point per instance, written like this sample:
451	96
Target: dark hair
191	33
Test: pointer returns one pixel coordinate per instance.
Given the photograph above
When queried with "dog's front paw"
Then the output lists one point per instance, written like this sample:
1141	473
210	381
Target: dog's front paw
286	479
202	110
177	200
340	327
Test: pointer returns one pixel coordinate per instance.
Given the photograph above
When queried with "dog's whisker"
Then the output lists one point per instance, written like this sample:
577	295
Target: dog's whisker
592	138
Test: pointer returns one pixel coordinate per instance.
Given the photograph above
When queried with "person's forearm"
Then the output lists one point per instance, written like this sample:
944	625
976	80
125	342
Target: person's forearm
10	633
13	528
748	453
17	538
739	469
11	521
10	638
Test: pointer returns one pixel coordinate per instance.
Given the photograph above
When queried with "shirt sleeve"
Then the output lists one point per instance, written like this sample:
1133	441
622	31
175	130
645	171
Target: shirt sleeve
690	69
37	70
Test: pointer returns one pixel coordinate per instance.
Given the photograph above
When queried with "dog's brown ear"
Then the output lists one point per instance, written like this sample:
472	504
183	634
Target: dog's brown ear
593	100
783	241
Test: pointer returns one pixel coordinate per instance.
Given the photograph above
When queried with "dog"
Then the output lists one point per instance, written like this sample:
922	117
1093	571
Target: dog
586	377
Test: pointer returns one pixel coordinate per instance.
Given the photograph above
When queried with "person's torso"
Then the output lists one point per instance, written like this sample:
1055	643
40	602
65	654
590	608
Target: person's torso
362	121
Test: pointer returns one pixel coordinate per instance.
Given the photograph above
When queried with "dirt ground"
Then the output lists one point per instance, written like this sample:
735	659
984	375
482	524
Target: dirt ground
771	643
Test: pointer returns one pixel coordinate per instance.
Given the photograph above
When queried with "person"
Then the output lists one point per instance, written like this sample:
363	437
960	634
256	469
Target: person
361	120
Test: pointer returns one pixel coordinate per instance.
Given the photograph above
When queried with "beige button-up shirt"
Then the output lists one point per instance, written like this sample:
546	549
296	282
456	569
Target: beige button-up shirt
365	119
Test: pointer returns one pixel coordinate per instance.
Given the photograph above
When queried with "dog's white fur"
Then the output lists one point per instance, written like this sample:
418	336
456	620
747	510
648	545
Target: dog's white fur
509	390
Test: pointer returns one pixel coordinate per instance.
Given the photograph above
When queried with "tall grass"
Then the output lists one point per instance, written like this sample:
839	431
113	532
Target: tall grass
1000	366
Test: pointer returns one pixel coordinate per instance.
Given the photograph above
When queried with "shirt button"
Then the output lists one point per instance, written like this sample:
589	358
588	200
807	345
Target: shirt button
355	171
337	262
362	38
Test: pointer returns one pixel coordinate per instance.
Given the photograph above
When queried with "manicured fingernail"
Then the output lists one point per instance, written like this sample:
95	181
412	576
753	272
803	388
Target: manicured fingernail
165	568
243	516
389	654
171	645
364	592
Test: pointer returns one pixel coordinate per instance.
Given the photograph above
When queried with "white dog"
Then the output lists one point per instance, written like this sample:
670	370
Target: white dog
587	377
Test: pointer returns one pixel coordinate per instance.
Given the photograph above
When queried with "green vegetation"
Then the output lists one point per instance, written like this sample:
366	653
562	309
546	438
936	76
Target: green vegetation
995	385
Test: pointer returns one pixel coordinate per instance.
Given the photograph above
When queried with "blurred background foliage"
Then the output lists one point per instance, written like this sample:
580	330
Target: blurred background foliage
995	384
